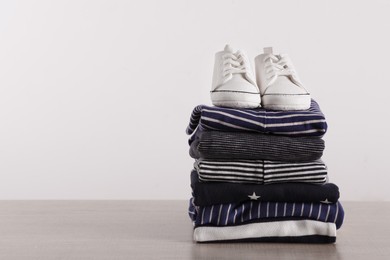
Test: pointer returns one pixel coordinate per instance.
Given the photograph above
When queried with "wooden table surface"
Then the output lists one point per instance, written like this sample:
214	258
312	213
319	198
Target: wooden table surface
162	230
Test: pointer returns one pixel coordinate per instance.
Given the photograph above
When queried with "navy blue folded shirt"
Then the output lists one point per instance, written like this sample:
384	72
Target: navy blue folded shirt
309	122
210	193
232	214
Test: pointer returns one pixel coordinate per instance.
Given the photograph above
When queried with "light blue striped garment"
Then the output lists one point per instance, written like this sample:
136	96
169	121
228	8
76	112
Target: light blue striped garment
309	122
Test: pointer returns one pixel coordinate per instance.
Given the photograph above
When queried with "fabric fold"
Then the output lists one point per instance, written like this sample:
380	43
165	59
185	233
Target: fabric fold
209	193
231	214
246	145
292	231
260	171
309	122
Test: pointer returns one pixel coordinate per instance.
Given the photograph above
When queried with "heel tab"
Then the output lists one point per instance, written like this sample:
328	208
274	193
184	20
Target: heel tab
268	50
228	48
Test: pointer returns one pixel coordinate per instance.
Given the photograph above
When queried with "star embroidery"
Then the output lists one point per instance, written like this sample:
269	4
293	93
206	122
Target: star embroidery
326	201
253	196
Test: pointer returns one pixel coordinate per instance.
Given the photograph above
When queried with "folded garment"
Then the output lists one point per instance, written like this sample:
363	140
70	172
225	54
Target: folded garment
246	145
309	122
260	171
209	193
289	231
231	214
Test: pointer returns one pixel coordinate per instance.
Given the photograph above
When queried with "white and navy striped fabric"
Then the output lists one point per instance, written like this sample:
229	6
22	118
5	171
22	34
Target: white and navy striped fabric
260	171
309	122
252	211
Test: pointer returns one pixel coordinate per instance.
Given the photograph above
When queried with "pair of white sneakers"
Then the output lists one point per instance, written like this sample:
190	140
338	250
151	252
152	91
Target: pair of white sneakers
276	86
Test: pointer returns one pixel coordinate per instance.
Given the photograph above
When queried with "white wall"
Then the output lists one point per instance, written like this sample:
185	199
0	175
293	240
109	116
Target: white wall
95	96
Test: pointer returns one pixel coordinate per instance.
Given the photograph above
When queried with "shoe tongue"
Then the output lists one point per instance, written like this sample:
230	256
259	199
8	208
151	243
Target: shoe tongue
239	75
228	48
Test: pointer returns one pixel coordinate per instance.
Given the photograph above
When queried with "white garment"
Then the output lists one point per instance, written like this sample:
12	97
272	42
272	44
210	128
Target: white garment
288	228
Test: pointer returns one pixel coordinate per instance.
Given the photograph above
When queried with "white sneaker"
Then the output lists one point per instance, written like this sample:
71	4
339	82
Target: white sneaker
279	84
233	82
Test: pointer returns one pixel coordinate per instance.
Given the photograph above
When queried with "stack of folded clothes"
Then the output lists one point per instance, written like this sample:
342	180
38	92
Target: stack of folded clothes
258	173
237	153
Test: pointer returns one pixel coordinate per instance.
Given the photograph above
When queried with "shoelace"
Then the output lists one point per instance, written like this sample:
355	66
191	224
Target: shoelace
278	66
233	64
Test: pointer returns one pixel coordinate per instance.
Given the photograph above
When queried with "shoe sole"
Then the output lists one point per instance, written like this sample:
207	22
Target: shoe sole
235	99
286	102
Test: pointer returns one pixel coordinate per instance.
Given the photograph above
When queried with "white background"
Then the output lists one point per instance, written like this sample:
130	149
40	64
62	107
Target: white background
95	96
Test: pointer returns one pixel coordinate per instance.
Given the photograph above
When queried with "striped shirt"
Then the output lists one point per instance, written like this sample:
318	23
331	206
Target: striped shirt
309	122
256	211
260	171
246	145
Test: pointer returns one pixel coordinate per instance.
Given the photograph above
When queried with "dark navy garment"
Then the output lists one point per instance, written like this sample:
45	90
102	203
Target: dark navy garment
210	193
249	145
256	211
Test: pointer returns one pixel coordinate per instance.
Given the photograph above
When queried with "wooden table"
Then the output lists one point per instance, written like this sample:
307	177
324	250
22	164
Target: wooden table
162	230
